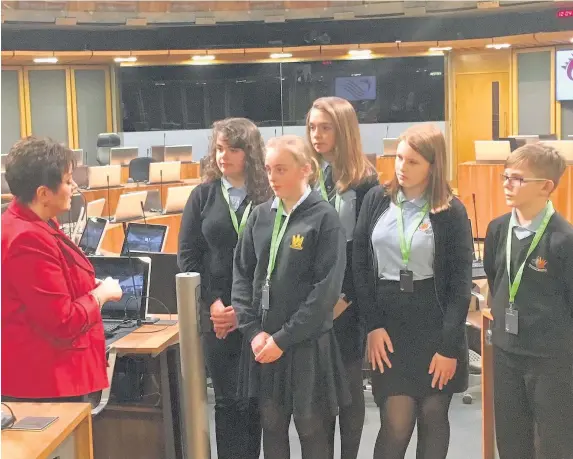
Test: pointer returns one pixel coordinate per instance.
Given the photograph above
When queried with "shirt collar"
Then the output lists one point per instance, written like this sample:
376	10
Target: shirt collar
533	226
418	202
228	185
275	204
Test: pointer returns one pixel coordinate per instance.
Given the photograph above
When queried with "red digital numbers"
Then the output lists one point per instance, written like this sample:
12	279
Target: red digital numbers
565	13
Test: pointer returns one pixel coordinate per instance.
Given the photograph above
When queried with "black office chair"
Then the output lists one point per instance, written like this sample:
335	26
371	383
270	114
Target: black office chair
139	169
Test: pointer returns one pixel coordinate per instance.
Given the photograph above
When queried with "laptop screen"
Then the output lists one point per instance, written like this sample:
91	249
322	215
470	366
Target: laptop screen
144	238
92	235
131	275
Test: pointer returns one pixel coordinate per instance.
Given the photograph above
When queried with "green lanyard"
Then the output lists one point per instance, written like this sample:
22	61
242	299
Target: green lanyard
514	286
406	246
278	234
337	198
238	227
322	185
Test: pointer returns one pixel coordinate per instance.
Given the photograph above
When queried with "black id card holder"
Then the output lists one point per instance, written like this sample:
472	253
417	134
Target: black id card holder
406	281
511	321
265	298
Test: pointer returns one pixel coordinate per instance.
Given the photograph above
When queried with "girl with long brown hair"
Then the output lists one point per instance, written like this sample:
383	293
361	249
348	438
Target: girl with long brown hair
345	176
412	267
234	182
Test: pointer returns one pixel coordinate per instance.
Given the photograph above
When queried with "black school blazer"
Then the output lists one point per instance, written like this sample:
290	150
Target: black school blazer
452	268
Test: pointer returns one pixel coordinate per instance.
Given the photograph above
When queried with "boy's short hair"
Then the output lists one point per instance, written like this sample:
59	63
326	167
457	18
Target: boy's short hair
546	162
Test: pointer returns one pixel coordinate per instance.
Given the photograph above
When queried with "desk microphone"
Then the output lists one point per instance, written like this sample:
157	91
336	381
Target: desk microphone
161	189
477	227
132	269
164	145
146	227
108	201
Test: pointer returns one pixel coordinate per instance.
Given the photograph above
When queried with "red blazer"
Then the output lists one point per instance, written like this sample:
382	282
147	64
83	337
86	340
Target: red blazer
53	344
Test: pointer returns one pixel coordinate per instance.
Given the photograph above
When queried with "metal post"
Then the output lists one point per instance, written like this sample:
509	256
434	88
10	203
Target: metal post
193	382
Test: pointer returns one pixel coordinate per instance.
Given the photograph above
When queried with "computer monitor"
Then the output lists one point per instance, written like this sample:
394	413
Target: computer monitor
129	206
177	197
121	156
165	172
144	238
183	153
79	156
158	153
129	272
389	146
162	284
92	236
492	150
104	176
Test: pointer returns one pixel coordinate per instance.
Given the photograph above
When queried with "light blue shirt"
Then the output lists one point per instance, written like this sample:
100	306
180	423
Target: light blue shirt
386	241
347	211
275	204
523	231
236	195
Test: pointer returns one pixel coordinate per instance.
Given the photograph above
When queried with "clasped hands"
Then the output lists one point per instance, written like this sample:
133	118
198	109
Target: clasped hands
224	319
380	345
265	348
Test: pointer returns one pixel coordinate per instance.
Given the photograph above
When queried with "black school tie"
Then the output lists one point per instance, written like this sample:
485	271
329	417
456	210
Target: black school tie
328	182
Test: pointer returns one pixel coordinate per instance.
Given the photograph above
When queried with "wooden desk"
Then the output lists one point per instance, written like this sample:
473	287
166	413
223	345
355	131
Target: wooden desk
116	192
68	437
112	240
485	181
149	428
488	422
385	168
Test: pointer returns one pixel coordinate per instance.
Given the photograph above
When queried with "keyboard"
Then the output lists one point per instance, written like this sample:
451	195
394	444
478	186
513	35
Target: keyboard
109	328
477	264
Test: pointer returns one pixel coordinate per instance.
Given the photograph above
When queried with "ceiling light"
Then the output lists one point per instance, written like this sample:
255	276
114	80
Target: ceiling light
498	46
440	48
281	55
125	59
204	57
46	60
359	52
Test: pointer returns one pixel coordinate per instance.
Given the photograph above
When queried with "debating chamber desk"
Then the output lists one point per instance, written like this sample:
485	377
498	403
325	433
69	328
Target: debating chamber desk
484	180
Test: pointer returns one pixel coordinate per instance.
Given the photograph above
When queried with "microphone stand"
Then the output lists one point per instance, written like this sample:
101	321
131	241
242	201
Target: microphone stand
108	201
477	227
146	227
161	189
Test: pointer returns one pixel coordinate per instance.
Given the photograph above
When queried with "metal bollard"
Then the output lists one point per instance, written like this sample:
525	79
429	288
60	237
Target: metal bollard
194	390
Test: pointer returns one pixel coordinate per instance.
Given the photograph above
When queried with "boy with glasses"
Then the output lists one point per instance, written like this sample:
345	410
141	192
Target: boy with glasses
528	260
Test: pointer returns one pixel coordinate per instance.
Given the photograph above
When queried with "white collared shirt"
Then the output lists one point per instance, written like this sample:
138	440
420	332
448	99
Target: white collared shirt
275	204
523	231
236	195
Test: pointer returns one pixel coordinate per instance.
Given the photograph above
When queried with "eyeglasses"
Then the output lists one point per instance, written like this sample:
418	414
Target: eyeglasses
519	181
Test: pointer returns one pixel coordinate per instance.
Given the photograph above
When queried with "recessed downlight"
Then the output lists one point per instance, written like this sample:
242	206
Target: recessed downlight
281	55
125	59
204	57
46	60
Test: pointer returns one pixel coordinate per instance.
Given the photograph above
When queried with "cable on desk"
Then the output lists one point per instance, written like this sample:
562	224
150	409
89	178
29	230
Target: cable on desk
12	414
160	303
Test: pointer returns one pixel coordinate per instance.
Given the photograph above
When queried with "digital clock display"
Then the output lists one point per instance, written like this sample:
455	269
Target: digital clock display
565	13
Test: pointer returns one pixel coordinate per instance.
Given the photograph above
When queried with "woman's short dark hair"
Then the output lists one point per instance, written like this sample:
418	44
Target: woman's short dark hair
34	162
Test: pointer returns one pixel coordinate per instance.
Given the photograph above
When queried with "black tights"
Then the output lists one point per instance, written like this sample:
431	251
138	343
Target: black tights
312	433
398	416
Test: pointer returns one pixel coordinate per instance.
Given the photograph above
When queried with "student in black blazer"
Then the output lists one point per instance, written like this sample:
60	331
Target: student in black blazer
345	176
234	182
288	273
412	271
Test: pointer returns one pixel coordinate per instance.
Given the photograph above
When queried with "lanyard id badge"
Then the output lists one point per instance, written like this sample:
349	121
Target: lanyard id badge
511	314
278	234
406	275
239	227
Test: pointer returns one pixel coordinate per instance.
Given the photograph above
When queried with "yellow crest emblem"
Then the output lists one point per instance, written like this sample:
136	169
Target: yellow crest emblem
296	242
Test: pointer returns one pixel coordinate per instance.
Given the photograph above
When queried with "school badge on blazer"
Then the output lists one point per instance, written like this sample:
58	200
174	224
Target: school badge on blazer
296	242
538	264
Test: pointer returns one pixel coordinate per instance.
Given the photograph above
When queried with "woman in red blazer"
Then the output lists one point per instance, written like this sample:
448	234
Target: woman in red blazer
53	344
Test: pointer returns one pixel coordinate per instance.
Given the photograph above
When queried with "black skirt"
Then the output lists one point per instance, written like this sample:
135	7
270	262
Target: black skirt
308	379
414	323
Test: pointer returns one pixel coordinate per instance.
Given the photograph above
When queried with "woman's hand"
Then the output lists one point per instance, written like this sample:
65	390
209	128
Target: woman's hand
224	320
270	352
379	343
259	341
108	290
443	368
